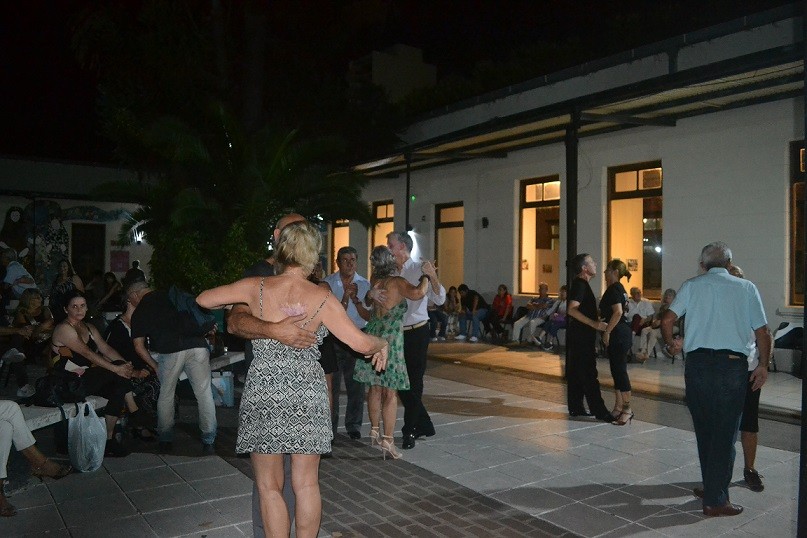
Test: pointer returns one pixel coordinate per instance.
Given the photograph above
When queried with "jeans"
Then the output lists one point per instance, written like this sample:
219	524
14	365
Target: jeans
715	392
354	409
196	364
435	317
476	318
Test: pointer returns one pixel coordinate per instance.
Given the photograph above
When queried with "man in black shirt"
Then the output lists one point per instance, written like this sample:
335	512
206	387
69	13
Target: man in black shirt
158	319
474	308
581	339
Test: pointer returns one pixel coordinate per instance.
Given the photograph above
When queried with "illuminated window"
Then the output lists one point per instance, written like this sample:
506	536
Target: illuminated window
340	237
539	249
384	212
449	242
797	176
635	223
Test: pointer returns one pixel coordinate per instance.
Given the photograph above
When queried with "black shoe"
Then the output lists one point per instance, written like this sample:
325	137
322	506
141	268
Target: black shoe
582	413
408	441
208	449
166	446
114	449
425	432
753	480
354	435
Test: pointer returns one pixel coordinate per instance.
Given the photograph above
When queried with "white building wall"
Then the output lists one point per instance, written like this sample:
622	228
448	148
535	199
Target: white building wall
725	178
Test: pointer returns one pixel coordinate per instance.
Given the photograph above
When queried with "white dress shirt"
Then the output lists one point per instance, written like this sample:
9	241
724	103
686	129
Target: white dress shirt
417	311
338	289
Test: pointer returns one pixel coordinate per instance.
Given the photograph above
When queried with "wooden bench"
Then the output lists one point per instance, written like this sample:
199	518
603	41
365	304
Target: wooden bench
41	417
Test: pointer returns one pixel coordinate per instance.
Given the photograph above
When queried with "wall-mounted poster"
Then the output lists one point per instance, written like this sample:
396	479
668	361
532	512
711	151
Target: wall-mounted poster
633	264
546	267
118	261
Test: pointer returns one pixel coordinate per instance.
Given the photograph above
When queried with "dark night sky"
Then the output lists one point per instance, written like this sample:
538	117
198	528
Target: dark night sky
48	102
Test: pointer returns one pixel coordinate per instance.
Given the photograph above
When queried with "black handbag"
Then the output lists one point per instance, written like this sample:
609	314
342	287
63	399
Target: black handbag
54	390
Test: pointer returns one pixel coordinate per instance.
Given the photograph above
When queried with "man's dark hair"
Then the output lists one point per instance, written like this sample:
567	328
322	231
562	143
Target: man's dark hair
462	287
577	263
346	250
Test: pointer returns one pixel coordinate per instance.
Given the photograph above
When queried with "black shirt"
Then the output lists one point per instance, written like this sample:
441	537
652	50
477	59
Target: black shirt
580	291
614	294
468	301
157	318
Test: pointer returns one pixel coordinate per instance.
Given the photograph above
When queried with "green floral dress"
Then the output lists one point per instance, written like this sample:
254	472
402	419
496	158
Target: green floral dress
390	328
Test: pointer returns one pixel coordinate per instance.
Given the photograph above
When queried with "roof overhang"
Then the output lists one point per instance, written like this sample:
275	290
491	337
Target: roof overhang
758	77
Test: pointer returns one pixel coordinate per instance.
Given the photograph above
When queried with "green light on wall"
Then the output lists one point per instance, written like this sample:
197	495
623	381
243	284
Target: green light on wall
412	198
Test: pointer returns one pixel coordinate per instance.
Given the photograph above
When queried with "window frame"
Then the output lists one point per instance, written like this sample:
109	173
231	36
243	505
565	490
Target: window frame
524	204
797	175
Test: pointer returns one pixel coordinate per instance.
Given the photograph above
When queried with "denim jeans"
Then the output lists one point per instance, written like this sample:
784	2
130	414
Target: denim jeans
715	392
196	364
481	314
354	408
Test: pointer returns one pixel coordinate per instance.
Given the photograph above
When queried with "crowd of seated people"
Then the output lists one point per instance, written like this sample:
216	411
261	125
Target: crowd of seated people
474	309
538	311
650	335
501	312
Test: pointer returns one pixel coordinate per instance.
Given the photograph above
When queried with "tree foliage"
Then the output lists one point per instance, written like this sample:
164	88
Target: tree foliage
187	96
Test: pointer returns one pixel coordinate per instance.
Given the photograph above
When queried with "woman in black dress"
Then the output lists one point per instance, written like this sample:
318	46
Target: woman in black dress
617	337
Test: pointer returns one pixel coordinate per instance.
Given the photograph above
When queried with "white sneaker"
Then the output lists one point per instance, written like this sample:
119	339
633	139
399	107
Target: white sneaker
460	337
13	355
441	338
25	391
434	338
473	339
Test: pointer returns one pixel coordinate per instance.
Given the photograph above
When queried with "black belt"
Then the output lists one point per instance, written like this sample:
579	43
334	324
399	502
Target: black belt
710	351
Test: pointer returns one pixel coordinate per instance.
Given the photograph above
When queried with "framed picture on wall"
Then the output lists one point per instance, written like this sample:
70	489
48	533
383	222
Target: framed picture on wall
633	264
546	267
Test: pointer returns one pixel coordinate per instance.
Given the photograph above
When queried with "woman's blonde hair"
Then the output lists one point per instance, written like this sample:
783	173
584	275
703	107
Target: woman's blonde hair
299	245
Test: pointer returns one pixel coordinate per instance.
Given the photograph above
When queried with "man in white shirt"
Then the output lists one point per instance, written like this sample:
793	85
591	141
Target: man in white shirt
417	422
638	306
350	288
17	278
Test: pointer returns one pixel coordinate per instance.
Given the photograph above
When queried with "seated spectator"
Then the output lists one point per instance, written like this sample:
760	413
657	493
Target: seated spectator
33	325
556	321
651	334
145	385
501	312
17	279
14	357
66	282
453	308
474	308
78	347
538	310
640	311
14	430
111	299
438	322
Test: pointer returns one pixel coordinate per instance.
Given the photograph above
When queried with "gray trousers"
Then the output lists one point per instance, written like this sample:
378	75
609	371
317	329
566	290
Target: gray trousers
288	496
354	410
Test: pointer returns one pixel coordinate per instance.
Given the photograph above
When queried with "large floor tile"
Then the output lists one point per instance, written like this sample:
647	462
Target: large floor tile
204	468
584	520
36	521
129	527
223	486
80	512
146	478
83	486
164	497
191	519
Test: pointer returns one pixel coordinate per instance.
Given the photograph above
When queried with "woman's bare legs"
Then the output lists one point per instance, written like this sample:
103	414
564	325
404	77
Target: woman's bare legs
305	482
374	403
389	409
268	469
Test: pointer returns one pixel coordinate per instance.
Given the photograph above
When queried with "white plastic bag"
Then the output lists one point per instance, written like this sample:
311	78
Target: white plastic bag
86	439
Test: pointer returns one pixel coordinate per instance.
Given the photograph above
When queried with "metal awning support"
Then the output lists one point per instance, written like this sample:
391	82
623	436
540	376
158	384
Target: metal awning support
626	120
801	525
572	142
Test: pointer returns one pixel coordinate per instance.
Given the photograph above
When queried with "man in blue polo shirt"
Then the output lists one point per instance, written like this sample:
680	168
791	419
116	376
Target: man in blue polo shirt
723	313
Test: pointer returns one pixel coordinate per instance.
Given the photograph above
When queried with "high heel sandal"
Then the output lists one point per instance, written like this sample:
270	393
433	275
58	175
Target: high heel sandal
626	417
51	470
374	437
615	413
388	447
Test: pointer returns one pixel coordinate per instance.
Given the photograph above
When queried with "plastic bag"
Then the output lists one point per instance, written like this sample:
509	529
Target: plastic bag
86	439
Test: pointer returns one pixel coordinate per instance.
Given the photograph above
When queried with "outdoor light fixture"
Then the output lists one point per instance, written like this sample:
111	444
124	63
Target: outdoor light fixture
485	222
138	236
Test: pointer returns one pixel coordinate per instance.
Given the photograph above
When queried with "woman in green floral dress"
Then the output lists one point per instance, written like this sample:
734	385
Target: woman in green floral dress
387	322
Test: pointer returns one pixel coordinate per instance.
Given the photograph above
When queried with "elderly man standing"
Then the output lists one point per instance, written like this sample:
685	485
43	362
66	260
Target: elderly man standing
417	421
350	288
723	313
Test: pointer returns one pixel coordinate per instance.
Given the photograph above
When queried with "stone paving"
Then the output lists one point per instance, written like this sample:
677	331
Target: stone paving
506	461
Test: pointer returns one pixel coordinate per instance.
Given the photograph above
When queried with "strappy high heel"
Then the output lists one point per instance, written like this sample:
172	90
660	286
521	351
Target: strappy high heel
374	437
388	447
51	470
624	418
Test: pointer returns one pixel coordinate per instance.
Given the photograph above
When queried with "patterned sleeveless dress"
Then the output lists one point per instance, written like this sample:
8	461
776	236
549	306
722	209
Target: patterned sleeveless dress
284	407
390	328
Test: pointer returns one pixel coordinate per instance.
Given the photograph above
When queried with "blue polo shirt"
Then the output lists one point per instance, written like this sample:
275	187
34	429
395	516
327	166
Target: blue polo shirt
722	311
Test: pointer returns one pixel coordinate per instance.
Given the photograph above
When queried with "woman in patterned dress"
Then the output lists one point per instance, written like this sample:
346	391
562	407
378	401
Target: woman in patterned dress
387	322
284	408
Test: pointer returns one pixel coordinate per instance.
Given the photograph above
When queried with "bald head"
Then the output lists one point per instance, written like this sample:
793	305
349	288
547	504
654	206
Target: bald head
284	221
